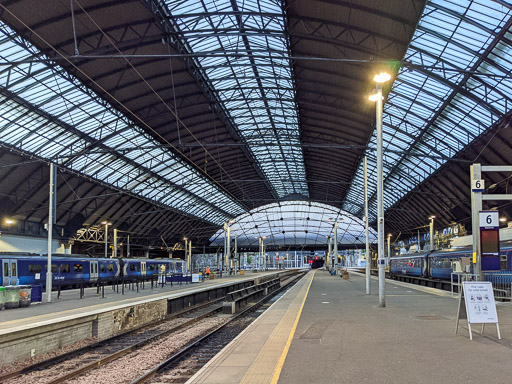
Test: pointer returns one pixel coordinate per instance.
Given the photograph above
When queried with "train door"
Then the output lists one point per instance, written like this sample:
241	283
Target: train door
143	268
9	272
93	270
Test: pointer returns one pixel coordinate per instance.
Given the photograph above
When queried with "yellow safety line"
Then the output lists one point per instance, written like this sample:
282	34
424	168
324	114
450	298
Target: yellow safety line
282	358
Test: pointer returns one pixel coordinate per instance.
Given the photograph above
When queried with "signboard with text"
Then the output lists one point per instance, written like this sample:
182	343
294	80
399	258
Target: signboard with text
480	304
489	220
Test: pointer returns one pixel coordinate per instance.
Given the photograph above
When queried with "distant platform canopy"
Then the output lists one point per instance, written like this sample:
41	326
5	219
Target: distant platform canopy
295	223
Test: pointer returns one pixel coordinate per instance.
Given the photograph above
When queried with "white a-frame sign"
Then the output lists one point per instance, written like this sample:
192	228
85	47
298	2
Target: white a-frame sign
479	306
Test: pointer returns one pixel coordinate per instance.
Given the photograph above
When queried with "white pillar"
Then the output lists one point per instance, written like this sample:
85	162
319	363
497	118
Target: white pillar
115	243
476	207
51	218
366	229
189	256
380	200
237	260
431	234
106	239
128	246
335	244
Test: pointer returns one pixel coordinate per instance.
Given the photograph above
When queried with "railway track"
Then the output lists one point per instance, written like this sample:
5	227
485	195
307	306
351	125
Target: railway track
187	361
75	366
80	361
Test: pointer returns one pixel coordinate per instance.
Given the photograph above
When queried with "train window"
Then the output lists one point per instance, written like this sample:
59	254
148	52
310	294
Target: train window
110	268
54	268
34	268
132	267
64	268
151	267
102	268
138	267
79	268
14	269
6	269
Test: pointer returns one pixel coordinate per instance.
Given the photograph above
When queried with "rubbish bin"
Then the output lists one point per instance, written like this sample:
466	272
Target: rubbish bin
242	272
2	298
12	296
25	294
37	294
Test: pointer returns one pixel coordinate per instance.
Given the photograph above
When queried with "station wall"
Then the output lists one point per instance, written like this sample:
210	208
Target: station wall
13	243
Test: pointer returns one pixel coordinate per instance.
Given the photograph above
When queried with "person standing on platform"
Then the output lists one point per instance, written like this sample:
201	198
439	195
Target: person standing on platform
208	272
162	275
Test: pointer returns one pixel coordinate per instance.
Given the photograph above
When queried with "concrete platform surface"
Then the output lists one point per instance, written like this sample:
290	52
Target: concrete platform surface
69	305
343	336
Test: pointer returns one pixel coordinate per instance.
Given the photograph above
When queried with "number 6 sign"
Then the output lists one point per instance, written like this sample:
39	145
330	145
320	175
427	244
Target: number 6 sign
478	185
489	219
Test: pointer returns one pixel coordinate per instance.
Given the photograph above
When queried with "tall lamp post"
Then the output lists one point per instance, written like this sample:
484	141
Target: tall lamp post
389	246
377	97
432	232
106	224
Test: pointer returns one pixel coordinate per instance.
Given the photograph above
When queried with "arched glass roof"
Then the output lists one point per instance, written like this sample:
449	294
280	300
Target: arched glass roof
443	98
255	86
55	117
295	223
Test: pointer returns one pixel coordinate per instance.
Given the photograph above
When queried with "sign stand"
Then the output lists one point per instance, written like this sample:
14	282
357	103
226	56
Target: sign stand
479	306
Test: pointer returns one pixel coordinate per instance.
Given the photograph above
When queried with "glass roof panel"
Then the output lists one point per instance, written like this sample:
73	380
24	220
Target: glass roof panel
295	223
58	119
443	103
254	87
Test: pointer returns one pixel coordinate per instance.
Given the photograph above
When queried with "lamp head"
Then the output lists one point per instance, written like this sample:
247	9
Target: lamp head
382	77
374	96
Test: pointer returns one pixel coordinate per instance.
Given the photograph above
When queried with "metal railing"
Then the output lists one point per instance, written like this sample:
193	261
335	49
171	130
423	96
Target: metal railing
501	282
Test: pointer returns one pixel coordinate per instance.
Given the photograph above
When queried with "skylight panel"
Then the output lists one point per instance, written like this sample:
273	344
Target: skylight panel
417	96
68	102
247	100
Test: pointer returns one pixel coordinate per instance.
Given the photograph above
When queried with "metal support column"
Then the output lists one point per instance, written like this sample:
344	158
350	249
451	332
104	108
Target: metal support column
189	256
476	207
335	245
366	230
106	239
115	243
51	217
380	200
431	233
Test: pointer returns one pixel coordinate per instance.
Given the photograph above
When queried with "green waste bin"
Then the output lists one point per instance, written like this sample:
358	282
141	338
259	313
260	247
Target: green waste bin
12	296
2	298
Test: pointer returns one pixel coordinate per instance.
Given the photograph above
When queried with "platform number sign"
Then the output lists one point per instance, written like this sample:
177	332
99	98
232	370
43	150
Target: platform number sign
478	185
489	220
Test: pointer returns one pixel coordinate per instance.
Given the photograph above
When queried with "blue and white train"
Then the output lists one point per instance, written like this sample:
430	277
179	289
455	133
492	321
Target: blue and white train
441	264
73	270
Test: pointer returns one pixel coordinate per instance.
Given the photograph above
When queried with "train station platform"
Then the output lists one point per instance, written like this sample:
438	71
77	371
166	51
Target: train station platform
327	330
44	327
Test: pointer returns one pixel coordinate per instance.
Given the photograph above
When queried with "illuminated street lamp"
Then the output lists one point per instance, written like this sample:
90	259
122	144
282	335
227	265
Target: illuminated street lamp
9	221
377	97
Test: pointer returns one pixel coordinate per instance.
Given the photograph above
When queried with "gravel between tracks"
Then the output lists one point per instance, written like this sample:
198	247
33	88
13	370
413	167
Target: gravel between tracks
136	364
45	356
45	376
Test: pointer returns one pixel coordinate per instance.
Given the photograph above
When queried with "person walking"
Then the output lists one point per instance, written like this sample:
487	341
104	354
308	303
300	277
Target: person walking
208	272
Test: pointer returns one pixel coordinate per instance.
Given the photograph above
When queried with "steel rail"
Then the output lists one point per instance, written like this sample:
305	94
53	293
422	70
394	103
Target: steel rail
174	358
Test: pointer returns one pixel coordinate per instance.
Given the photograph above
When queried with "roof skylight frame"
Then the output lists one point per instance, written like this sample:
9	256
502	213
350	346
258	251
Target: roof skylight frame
488	111
215	208
244	103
